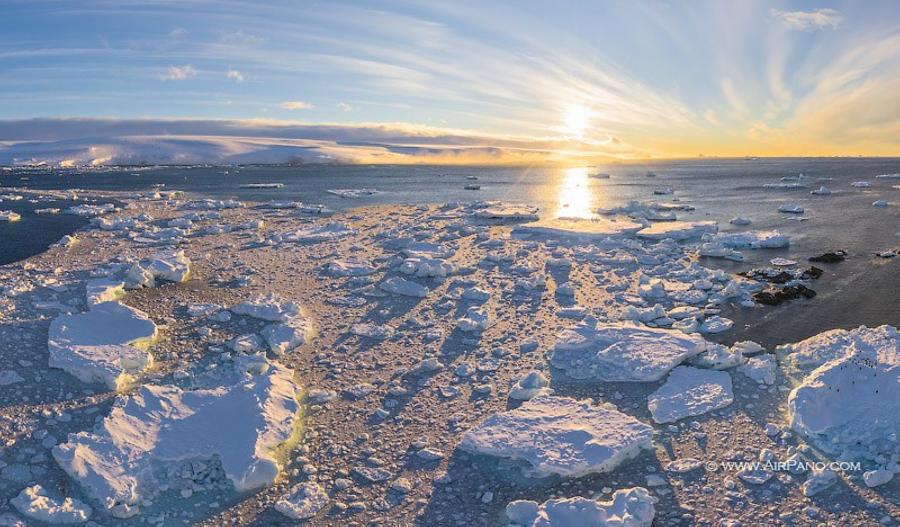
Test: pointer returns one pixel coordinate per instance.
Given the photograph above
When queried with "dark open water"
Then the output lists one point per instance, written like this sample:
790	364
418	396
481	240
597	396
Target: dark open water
862	290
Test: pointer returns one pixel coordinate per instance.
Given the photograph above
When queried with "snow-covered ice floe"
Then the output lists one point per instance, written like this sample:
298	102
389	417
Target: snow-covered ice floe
748	239
290	326
315	234
507	211
353	192
688	392
126	459
36	503
622	351
632	507
678	230
106	344
168	266
849	404
575	228
559	435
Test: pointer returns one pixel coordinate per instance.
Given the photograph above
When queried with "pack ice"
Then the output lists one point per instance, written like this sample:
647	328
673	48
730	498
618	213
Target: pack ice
559	435
106	344
290	326
632	507
622	351
688	392
150	434
849	405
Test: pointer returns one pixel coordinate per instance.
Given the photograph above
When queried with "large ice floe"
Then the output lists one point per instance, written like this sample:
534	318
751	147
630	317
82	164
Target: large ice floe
559	435
848	405
141	447
314	234
107	344
688	392
632	507
678	230
506	211
621	351
578	229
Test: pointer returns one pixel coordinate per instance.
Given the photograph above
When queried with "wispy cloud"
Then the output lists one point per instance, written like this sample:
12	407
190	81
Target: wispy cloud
296	105
179	73
235	75
344	106
809	20
178	32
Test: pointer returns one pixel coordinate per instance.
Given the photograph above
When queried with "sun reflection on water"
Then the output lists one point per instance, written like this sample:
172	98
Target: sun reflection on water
576	198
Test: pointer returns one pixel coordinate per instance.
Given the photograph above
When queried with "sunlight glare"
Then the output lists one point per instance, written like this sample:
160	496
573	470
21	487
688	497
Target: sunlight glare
576	120
575	196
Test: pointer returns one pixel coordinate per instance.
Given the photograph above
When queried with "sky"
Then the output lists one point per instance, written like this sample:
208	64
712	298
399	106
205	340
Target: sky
463	81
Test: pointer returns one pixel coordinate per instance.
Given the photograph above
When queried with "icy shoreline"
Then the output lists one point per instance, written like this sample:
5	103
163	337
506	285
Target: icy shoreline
417	322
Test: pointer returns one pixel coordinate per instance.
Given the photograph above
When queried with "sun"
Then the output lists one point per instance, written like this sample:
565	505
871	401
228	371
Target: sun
576	120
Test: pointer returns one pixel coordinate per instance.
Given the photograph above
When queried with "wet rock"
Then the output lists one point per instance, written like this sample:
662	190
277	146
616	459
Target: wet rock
830	257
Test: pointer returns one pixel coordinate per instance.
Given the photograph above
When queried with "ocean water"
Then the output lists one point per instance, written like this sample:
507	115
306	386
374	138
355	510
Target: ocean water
861	290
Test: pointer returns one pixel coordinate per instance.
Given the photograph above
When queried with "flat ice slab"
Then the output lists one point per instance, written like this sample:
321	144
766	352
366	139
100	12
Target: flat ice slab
36	503
316	233
632	507
559	435
850	405
749	239
507	211
170	266
578	228
689	392
121	463
269	307
677	230
622	351
106	344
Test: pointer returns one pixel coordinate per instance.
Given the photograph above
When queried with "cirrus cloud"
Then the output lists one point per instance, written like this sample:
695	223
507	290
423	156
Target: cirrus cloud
179	73
810	20
296	105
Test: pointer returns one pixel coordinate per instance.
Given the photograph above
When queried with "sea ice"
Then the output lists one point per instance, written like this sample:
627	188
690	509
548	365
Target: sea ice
531	385
716	324
791	208
559	435
10	216
106	344
632	507
749	239
821	191
353	192
101	290
507	211
740	221
400	286
124	461
850	404
269	307
349	268
426	267
761	369
860	184
622	351
577	229
36	503
315	234
169	266
304	500
688	392
678	230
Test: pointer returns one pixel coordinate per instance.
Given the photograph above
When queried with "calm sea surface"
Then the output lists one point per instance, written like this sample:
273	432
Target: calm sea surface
862	290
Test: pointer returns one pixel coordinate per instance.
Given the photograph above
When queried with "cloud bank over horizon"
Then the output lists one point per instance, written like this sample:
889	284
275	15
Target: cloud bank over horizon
467	82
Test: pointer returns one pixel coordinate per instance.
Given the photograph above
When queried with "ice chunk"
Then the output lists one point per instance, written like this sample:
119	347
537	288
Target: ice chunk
101	290
282	337
106	344
622	351
791	208
8	377
761	369
573	229
399	286
372	331
749	239
124	461
349	268
821	191
507	211
36	503
427	267
850	405
269	307
880	203
353	192
172	266
818	480
740	221
678	230
10	216
303	501
559	435
716	324
719	357
316	233
533	384
475	320
689	392
632	507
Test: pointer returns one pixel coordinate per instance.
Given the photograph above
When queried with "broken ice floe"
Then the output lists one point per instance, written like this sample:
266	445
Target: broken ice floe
678	230
632	507
559	435
10	216
291	327
400	286
36	503
353	192
688	392
131	455
577	229
171	266
107	344
621	351
507	211
748	239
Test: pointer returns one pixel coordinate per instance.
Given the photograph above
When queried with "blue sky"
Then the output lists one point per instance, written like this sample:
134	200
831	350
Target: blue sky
626	79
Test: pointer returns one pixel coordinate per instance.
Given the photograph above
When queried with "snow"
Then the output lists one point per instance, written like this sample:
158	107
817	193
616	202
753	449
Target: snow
678	230
10	216
632	507
304	500
749	239
622	351
106	344
400	286
559	435
688	392
577	229
169	266
531	385
123	461
850	404
36	503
